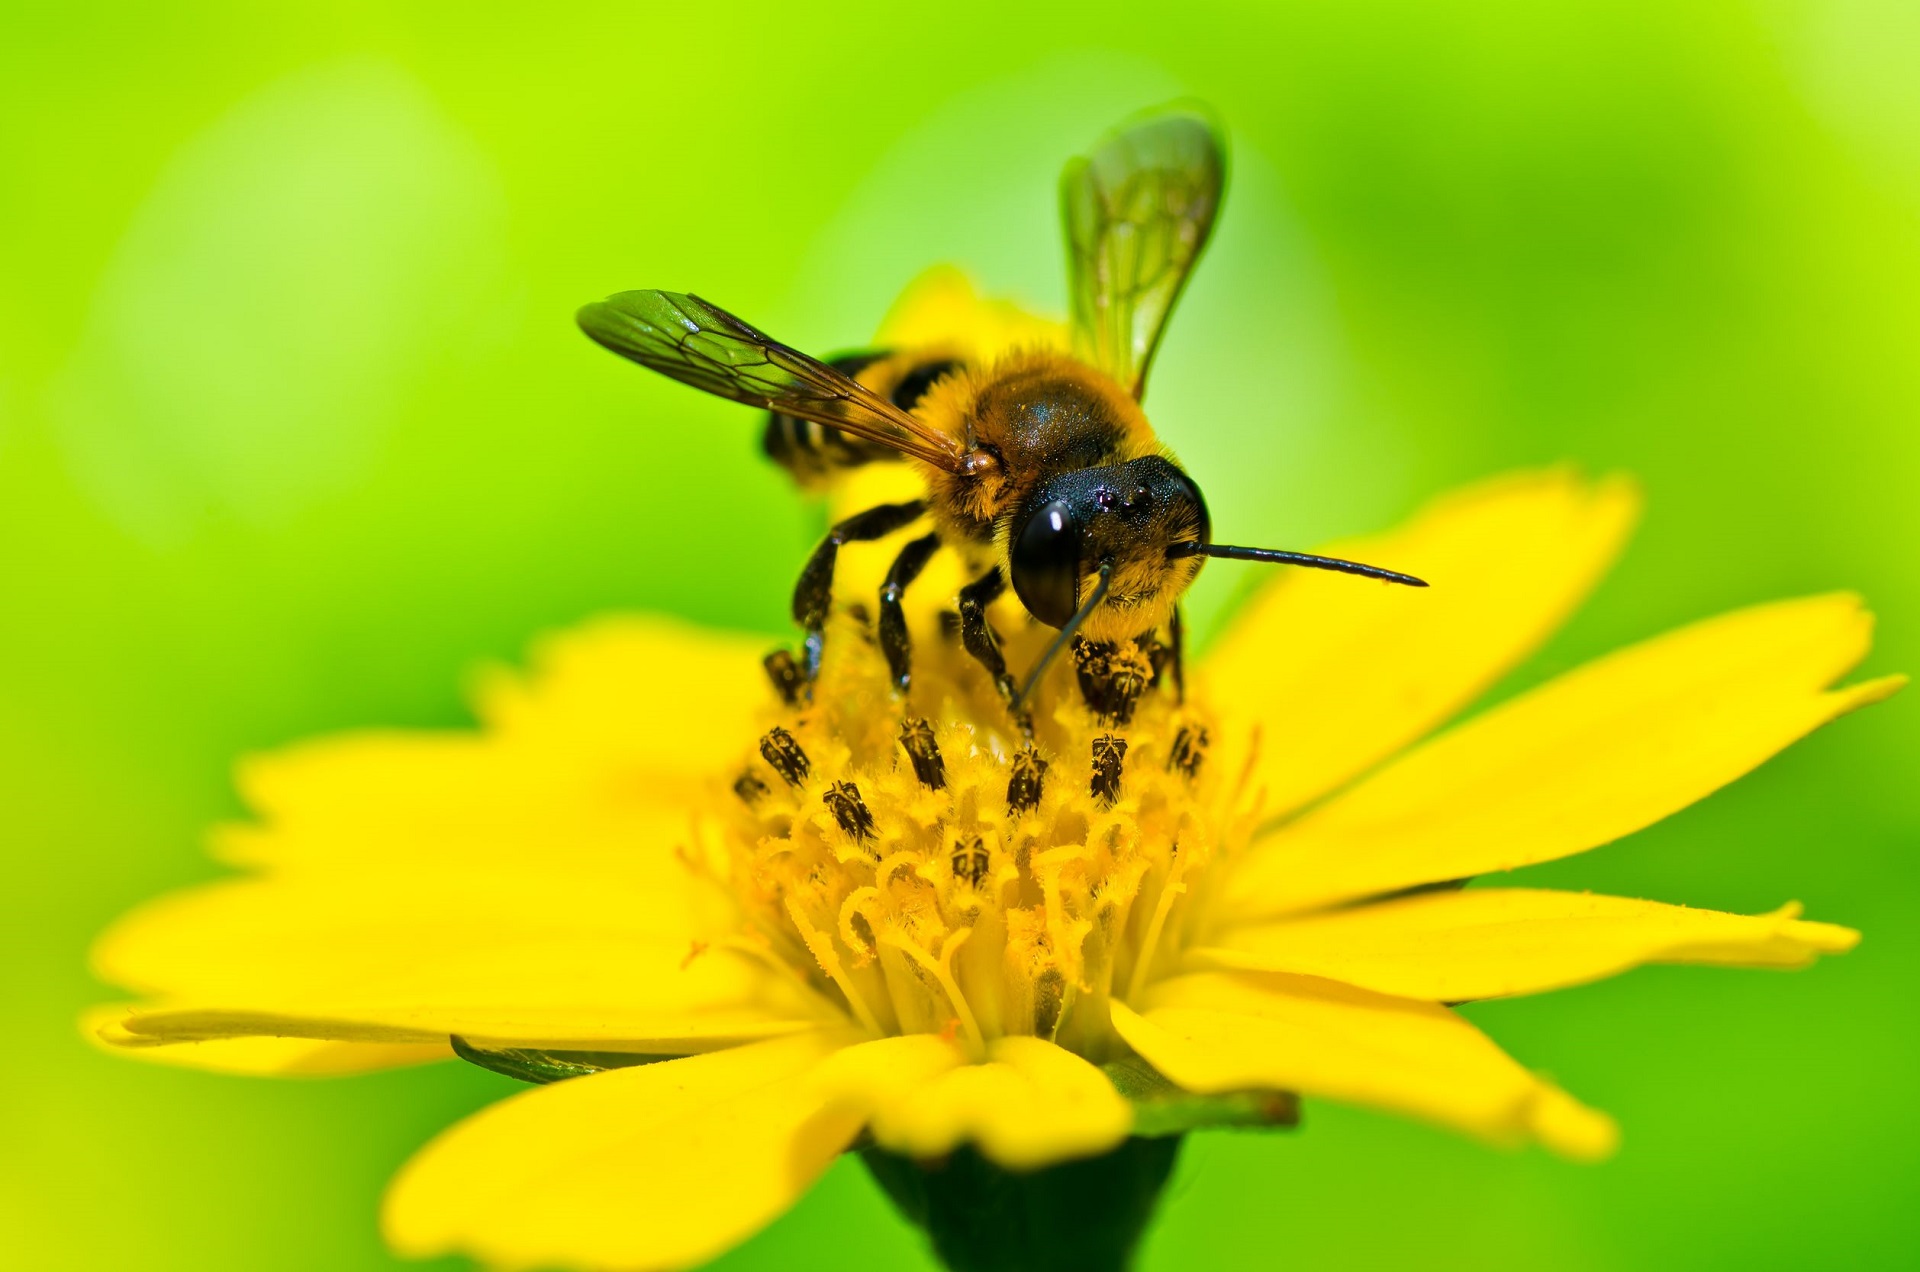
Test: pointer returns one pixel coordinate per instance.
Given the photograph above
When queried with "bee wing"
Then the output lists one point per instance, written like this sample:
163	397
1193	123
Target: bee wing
1138	211
705	346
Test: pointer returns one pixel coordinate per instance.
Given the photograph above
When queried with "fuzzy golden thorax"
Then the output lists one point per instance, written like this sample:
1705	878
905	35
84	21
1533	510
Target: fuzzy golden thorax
1036	417
1035	412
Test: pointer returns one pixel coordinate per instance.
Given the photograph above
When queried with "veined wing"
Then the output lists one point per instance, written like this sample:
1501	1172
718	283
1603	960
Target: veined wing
705	346
1138	211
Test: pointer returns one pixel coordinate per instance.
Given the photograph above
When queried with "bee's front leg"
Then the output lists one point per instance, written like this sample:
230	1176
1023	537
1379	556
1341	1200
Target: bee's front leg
895	642
813	595
978	637
1177	637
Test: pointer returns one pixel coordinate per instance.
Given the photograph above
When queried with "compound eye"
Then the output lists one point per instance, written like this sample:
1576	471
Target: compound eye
1046	564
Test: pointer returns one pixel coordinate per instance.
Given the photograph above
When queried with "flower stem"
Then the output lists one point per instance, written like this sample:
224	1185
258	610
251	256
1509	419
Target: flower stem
1080	1216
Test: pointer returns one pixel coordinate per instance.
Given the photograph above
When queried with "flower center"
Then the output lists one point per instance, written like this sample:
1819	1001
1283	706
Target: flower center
939	871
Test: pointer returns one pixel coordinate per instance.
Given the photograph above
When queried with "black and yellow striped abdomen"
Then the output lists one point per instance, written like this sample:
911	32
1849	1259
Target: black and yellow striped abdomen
815	453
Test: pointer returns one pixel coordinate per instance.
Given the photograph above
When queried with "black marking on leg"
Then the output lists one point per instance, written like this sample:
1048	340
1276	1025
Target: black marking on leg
1189	751
813	594
971	860
1177	637
1109	757
977	634
780	750
750	789
844	802
895	642
916	736
1026	781
788	680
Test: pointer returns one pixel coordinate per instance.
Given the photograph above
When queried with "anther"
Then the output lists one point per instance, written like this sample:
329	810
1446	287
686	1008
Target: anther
950	625
750	789
787	677
1025	782
970	860
916	736
1189	751
1109	755
788	760
843	800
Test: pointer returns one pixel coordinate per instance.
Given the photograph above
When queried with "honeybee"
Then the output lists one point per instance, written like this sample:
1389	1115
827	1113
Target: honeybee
1040	467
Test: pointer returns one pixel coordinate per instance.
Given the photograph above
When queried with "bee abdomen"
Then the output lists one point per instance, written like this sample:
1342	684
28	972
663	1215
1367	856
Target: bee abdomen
815	452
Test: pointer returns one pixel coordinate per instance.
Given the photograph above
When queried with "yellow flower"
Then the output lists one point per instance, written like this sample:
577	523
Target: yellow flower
865	921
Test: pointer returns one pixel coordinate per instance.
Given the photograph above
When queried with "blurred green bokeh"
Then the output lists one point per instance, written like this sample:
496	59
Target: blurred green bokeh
295	429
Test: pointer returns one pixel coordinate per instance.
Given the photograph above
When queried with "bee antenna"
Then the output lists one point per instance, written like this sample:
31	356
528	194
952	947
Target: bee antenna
1276	556
1087	606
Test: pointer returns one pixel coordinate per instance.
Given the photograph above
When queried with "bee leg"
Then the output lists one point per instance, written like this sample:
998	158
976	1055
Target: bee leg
1177	637
979	639
813	594
895	642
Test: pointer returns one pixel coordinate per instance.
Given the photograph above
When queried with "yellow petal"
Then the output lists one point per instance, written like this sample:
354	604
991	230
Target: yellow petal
457	802
1029	1104
621	725
661	1166
1598	753
941	310
259	1057
1218	1032
519	957
1492	942
657	696
1338	673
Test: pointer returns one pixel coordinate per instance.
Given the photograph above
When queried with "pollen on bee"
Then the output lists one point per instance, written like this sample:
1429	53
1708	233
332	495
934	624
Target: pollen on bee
1113	677
780	750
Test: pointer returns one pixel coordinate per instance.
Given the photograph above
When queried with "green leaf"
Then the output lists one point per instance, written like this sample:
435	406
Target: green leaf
531	1065
1160	1108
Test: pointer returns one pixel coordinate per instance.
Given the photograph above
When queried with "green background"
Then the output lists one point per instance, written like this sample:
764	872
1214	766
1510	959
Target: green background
295	430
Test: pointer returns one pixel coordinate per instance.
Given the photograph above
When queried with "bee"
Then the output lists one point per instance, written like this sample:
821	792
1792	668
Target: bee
1040	466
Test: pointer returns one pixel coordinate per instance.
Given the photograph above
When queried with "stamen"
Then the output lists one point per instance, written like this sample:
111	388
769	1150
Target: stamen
917	737
843	800
784	671
1109	756
820	945
940	970
858	904
971	860
750	789
780	750
1189	751
1025	782
1149	944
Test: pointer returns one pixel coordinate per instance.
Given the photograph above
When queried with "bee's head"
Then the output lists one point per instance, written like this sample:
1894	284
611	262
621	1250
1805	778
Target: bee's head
1122	518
